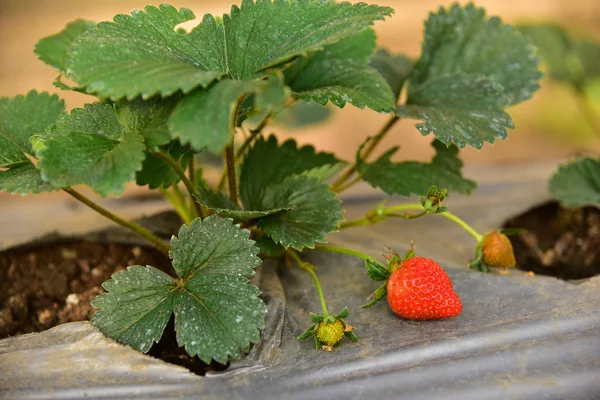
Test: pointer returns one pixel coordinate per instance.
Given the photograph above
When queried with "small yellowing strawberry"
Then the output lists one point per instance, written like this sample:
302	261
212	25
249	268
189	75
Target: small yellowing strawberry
497	251
331	333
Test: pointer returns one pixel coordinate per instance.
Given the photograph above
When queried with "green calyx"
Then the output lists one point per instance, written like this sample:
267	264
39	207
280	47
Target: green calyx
328	331
395	260
478	264
379	272
432	203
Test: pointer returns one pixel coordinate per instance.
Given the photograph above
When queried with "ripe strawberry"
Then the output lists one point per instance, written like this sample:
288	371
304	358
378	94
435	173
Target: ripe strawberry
331	333
497	251
420	289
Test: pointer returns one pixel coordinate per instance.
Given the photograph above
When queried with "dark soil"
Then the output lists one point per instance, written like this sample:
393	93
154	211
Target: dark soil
50	285
559	242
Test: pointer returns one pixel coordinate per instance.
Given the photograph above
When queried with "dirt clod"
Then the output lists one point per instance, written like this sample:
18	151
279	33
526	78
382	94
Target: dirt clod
560	242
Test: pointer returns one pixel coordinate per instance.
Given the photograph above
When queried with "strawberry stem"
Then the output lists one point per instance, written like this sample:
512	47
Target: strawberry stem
308	268
343	250
177	200
177	168
460	222
240	152
380	214
587	109
132	226
338	186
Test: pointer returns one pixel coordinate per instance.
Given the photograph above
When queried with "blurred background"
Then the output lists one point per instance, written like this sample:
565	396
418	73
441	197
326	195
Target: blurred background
550	126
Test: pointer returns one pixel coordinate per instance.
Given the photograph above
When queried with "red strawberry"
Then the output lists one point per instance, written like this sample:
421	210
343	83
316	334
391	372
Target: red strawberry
420	289
497	251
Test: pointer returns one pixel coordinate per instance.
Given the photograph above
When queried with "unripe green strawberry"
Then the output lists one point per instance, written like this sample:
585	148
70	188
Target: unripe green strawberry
497	251
331	333
420	290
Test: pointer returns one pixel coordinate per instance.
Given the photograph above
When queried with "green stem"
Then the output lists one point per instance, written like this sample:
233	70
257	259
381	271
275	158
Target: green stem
240	152
189	211
366	152
342	250
181	173
308	268
253	133
192	179
141	231
588	111
230	157
342	188
463	225
175	201
379	215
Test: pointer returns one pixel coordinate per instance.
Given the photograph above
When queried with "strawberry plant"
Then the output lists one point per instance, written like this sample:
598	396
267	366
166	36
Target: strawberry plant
165	94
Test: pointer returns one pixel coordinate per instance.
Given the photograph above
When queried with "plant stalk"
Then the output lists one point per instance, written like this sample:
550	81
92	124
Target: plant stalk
141	231
308	268
376	217
192	179
230	157
366	153
342	250
253	133
181	173
240	152
586	108
175	200
348	185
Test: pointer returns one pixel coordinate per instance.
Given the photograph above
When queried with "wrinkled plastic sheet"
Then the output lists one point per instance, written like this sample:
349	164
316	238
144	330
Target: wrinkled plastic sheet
518	337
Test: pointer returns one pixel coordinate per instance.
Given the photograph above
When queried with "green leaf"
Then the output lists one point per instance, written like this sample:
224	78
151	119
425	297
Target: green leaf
567	58
23	178
91	147
157	173
460	109
142	54
413	177
148	118
273	93
341	73
316	212
53	49
463	40
376	270
324	172
205	118
217	312
22	117
137	307
395	69
268	163
225	207
263	34
577	183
